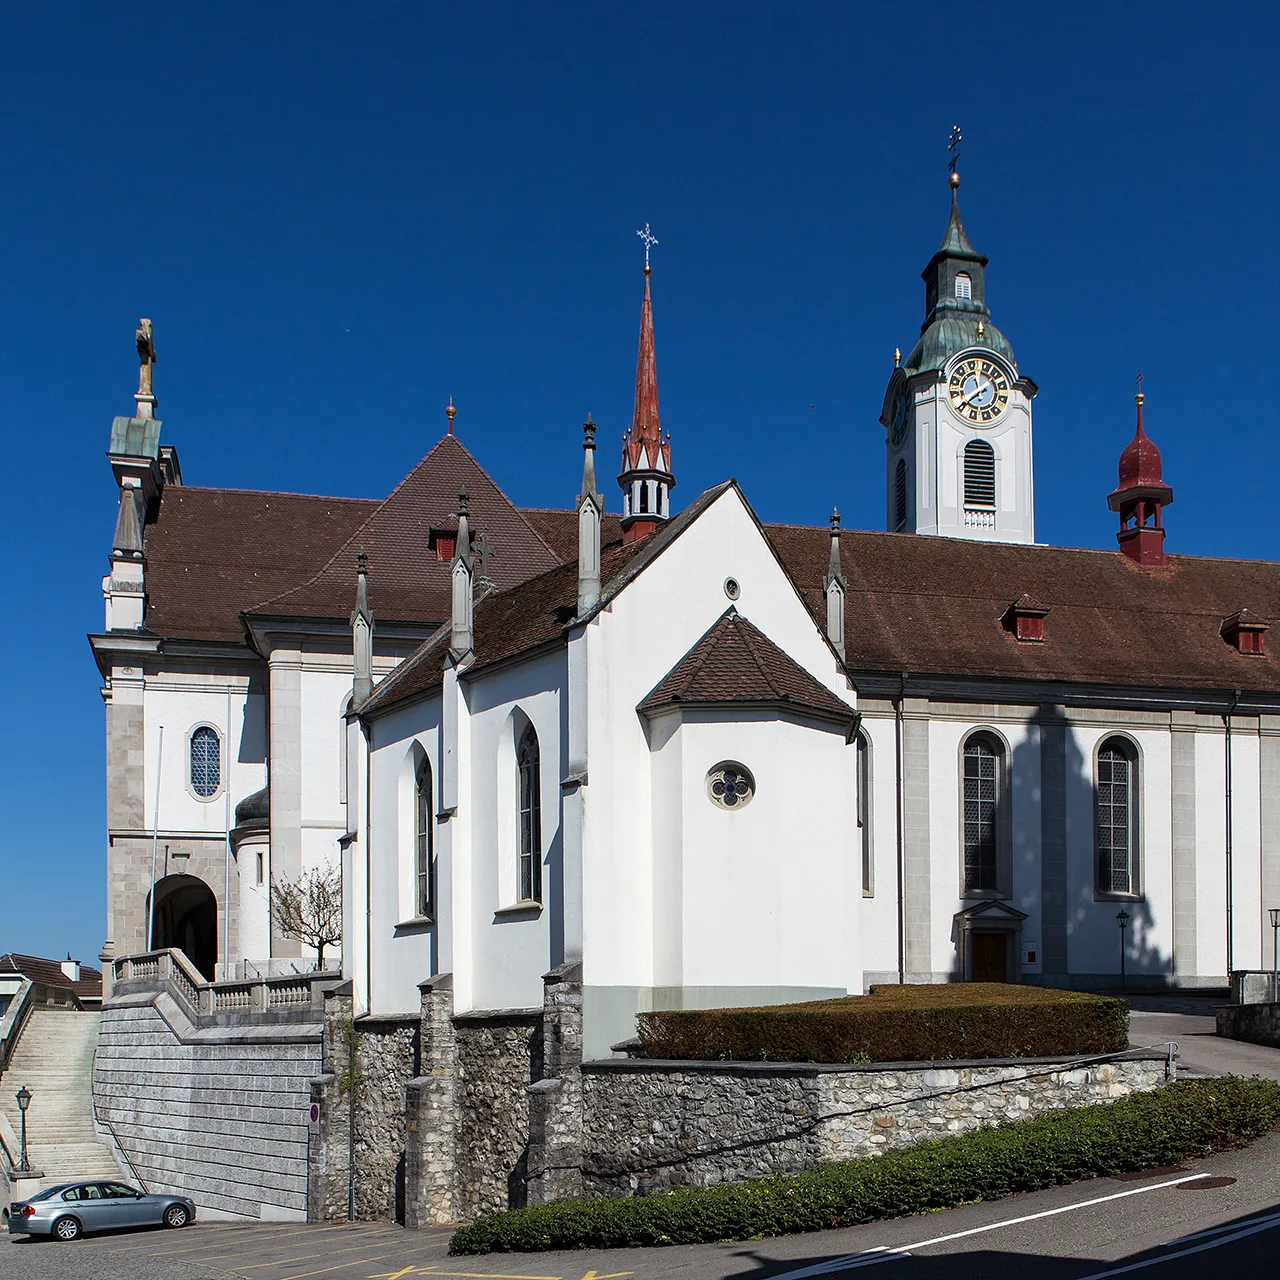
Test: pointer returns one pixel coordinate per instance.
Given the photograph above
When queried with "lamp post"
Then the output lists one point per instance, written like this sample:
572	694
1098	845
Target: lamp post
1275	963
1122	919
24	1101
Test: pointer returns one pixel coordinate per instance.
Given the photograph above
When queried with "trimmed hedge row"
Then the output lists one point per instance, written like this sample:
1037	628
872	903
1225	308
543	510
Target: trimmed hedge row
1176	1122
897	1024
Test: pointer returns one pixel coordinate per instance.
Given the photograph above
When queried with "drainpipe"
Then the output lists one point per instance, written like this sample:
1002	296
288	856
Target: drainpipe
1226	720
901	809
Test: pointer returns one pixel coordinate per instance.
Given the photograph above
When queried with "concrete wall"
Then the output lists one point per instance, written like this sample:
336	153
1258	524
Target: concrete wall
216	1113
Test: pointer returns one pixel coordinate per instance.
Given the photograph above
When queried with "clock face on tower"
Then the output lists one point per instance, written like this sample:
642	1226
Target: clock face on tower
978	389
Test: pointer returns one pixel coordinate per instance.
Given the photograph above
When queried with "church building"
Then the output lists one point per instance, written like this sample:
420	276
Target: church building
695	758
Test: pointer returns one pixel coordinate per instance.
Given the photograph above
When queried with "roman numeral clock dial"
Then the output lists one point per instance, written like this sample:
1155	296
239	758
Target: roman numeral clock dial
979	390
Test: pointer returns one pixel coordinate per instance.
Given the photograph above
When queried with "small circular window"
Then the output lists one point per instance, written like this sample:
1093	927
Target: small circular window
732	588
730	785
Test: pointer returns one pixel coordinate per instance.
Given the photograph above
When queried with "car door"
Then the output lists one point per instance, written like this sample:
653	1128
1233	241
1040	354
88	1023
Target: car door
86	1202
124	1206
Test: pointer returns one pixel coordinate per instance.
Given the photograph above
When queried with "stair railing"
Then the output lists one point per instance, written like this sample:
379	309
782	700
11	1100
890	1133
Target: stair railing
99	1118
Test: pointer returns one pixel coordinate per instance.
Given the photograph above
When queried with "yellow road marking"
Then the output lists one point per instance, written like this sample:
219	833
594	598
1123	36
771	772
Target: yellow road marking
468	1275
288	1262
613	1275
355	1262
247	1229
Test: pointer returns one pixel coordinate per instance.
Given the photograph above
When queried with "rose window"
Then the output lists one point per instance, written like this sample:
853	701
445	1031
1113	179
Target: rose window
730	785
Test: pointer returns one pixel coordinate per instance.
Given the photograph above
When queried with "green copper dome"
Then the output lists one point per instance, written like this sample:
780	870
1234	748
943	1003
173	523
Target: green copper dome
950	334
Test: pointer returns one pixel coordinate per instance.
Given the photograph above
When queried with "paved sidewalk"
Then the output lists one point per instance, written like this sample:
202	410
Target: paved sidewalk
1191	1022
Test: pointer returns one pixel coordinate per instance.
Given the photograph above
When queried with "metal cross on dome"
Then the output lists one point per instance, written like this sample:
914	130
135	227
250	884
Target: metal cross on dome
953	145
649	241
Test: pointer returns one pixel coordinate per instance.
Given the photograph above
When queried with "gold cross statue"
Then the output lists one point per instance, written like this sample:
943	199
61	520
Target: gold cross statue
953	145
146	361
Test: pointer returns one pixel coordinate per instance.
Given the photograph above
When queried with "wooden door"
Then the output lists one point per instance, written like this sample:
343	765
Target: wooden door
990	958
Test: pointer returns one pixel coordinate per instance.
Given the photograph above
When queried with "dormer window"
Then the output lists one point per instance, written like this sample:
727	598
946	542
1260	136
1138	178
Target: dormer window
1024	619
964	286
444	542
1245	631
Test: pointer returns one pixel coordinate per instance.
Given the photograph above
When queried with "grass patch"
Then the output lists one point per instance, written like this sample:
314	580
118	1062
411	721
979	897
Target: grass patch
931	1023
1143	1131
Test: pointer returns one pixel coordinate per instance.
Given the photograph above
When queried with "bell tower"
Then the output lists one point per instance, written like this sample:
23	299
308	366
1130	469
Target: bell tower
957	411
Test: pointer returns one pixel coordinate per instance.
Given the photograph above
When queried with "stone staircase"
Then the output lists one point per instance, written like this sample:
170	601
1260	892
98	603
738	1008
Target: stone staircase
54	1059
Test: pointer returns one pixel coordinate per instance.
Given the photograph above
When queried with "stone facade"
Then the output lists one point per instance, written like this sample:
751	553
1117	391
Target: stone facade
217	1113
699	1124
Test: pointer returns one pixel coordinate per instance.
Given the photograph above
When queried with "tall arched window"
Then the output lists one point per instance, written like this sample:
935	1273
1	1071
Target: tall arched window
206	762
979	475
900	494
863	748
1116	823
983	813
964	286
424	867
530	796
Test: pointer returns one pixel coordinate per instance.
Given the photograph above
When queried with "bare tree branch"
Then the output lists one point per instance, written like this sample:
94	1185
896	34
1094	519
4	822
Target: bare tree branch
310	909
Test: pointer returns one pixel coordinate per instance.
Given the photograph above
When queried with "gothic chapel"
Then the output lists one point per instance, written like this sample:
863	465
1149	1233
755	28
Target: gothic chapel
678	756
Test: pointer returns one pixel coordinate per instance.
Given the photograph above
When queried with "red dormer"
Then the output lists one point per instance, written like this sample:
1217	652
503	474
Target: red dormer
1245	631
1140	497
1024	619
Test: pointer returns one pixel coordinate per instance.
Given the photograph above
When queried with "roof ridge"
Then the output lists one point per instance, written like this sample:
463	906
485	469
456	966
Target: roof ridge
269	493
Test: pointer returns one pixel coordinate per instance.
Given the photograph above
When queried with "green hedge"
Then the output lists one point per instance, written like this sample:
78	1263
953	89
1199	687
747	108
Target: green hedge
897	1024
1177	1122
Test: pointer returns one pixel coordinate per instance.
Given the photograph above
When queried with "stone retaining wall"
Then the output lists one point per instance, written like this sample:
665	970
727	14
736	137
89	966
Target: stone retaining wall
698	1124
1255	1023
217	1113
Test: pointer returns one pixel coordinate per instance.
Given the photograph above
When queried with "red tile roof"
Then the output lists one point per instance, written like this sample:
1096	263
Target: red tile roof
49	972
559	529
735	662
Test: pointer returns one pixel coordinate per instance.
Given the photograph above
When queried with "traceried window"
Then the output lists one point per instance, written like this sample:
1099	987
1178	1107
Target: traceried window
863	748
979	475
983	782
530	787
964	286
730	785
1116	817
424	870
900	495
206	762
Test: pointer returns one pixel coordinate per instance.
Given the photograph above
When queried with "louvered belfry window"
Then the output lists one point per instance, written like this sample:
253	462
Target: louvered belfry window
964	286
982	764
1115	796
528	766
979	475
900	495
424	870
206	762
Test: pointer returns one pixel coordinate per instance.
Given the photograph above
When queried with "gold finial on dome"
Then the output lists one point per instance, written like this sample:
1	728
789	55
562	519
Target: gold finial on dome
451	413
1138	397
897	356
953	145
954	179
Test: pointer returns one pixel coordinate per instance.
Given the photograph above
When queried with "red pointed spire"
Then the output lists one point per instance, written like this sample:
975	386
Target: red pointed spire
646	477
1141	496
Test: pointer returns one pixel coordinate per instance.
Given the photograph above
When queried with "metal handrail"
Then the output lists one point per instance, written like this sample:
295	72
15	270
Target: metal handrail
111	1129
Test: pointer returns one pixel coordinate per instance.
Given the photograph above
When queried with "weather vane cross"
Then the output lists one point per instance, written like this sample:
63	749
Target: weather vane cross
649	241
953	145
1137	382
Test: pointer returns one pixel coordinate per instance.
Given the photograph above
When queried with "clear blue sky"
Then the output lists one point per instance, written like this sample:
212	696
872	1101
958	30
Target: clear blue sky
339	216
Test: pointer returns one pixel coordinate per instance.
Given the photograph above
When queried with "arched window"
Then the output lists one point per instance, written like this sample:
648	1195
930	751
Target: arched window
206	762
983	813
900	494
424	868
530	798
964	286
979	475
1116	817
863	748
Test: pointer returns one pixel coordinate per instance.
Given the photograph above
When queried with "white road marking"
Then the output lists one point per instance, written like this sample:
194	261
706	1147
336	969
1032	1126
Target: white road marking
1265	1224
872	1257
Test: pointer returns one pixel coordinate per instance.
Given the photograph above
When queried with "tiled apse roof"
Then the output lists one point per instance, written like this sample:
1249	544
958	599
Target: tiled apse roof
735	662
49	972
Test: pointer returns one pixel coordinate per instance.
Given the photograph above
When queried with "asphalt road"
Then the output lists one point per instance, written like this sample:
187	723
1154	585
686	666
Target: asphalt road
1217	1215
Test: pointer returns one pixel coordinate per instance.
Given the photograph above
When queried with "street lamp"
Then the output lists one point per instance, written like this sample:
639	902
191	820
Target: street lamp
1122	919
1275	942
24	1101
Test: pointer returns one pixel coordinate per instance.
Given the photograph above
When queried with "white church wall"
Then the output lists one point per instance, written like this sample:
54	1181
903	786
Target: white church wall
403	951
879	917
1025	847
771	891
254	903
513	943
646	630
1246	828
1211	865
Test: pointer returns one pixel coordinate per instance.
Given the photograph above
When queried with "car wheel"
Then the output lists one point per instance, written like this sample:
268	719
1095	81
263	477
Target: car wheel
67	1229
175	1216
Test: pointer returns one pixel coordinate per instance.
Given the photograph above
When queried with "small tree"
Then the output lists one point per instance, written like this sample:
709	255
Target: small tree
310	909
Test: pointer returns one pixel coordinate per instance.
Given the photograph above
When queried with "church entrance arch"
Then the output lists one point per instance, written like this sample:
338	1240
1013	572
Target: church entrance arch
186	917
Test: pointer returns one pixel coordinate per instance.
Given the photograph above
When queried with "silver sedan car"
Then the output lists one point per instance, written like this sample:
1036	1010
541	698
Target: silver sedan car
70	1209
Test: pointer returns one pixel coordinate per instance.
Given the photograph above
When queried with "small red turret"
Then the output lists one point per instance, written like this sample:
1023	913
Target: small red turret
1140	497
